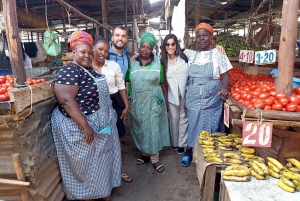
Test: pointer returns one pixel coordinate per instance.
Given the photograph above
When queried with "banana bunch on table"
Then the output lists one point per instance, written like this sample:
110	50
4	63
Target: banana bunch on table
290	178
211	155
226	143
206	140
259	170
236	172
231	157
275	167
237	138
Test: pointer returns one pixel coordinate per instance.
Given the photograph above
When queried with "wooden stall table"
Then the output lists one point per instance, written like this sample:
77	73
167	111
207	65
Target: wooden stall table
255	190
206	172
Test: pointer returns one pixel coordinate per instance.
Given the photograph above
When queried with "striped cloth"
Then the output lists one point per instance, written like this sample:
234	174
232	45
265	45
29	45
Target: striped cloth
88	171
203	102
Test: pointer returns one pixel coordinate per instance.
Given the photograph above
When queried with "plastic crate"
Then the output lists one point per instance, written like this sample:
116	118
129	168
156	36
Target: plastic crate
5	72
296	82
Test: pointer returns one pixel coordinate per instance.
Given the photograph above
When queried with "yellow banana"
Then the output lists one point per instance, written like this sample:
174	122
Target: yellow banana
226	148
224	140
238	173
237	167
211	155
287	181
247	155
296	182
214	160
218	134
273	167
294	161
204	132
291	175
274	174
294	169
238	140
285	187
231	160
206	138
258	159
234	135
256	175
209	143
261	166
224	137
239	146
257	169
247	150
231	155
225	143
208	146
275	162
238	179
209	151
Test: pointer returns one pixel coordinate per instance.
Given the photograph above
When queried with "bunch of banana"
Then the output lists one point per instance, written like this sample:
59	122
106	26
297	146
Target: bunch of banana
292	168
236	173
238	140
231	155
259	170
286	184
234	135
204	133
226	143
239	146
209	150
247	151
211	155
297	184
207	141
275	167
218	134
232	161
294	162
213	159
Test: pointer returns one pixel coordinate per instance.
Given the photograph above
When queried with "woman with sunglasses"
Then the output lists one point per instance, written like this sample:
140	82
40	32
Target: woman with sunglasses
176	73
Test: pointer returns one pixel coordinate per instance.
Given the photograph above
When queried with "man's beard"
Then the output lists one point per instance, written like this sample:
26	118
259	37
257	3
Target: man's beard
115	45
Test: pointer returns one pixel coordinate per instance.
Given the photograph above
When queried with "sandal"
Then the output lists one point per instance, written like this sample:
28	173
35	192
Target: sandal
142	160
159	167
186	159
126	178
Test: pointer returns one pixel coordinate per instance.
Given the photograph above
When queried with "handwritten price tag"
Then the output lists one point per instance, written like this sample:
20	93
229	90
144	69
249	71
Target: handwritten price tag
256	135
265	57
246	56
226	115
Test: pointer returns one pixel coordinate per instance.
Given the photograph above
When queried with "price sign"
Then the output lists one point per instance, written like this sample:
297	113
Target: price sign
265	57
256	135
246	56
226	115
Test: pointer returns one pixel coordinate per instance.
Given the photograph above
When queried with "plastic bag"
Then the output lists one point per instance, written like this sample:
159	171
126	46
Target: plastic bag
51	47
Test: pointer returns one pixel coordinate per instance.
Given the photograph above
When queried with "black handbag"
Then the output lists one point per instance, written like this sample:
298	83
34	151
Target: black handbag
4	60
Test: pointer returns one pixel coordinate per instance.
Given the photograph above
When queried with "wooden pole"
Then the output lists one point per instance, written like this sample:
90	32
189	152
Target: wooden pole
14	182
288	37
170	24
63	3
125	7
64	25
20	176
104	18
97	31
13	40
53	29
198	6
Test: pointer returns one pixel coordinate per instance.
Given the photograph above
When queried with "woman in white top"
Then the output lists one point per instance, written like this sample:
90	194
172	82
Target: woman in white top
116	85
176	71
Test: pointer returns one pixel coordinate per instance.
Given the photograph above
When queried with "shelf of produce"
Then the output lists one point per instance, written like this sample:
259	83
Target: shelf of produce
206	172
255	190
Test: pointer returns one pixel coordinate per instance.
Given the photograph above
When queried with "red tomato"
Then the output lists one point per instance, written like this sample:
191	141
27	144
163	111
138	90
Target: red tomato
10	88
37	81
33	82
277	106
297	90
283	109
272	92
250	106
43	80
254	100
252	87
291	107
256	93
268	107
280	95
248	97
269	101
3	97
263	95
237	97
2	80
284	101
259	104
294	99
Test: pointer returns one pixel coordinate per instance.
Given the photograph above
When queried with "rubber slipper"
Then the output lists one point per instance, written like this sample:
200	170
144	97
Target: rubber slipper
126	178
142	160
185	161
160	168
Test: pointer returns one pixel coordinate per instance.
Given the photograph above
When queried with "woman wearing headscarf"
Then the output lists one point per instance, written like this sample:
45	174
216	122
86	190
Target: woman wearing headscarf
149	121
84	127
205	90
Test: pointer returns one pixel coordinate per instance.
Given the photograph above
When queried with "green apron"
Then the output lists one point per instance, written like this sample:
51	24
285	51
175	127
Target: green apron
148	113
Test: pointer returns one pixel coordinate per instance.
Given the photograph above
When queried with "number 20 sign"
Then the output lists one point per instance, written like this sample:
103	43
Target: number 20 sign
256	135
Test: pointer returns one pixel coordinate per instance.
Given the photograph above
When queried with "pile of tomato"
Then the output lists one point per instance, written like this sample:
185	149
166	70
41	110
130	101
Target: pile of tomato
259	91
32	81
6	84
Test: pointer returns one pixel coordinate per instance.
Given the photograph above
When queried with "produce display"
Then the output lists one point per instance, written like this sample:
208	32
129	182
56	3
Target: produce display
259	91
220	148
7	84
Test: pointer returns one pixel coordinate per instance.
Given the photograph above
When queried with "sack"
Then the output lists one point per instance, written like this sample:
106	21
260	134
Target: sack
51	47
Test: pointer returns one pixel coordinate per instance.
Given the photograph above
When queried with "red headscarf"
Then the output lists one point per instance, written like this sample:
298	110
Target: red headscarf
207	27
80	37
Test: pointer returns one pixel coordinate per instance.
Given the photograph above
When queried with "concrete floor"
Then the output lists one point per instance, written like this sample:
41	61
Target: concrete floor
176	183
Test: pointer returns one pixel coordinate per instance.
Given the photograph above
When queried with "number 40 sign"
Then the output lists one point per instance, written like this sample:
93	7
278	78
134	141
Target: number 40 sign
256	135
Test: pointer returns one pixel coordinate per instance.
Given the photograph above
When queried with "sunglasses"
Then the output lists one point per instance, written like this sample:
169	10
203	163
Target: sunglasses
172	44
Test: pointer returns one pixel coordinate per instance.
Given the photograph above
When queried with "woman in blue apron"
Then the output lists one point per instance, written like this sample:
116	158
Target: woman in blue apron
84	127
204	89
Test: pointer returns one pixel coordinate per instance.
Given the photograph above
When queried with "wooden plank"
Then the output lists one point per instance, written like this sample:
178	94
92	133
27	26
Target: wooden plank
235	109
31	19
288	37
24	97
14	182
13	40
56	192
209	185
239	122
